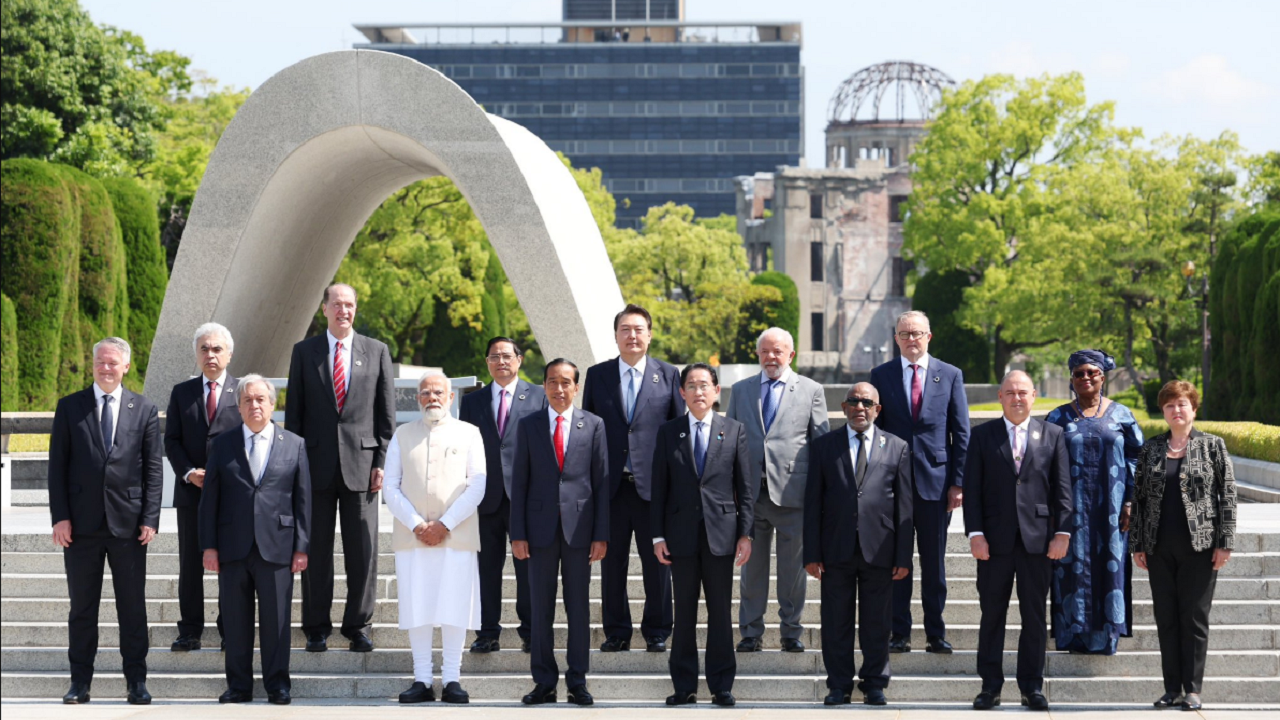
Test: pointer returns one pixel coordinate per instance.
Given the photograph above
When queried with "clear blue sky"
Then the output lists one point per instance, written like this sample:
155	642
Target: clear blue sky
1171	67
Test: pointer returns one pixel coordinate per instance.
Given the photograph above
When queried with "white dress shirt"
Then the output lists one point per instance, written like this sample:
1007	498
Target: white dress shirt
116	394
625	370
706	443
346	354
1016	433
568	423
923	365
496	400
783	379
267	435
204	390
853	443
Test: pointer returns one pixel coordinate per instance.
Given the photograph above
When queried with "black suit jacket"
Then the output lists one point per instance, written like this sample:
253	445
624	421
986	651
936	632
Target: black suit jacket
275	514
188	434
89	487
476	407
1000	503
723	499
838	516
542	496
657	401
939	440
356	441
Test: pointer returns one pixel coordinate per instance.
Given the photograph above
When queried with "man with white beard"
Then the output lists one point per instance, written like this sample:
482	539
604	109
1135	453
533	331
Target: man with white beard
434	481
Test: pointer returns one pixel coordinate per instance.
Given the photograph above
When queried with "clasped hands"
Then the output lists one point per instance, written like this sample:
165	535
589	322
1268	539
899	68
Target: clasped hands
431	532
1057	547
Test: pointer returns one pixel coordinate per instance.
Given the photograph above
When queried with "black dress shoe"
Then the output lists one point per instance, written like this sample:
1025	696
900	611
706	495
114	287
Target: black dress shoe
222	645
1169	700
872	695
361	643
656	646
541	694
453	693
235	696
614	644
315	643
418	692
279	698
525	647
724	698
838	697
485	645
78	693
185	643
1035	701
750	644
580	696
986	701
899	644
138	694
682	699
792	645
1192	702
938	645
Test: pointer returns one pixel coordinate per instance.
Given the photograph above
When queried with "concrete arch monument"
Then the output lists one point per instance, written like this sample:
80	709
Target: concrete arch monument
310	156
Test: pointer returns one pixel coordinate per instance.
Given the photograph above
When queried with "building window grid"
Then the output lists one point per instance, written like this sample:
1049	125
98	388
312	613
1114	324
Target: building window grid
675	147
710	108
669	185
613	71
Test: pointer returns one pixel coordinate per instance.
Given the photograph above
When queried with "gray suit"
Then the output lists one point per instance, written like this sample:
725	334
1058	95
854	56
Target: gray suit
780	462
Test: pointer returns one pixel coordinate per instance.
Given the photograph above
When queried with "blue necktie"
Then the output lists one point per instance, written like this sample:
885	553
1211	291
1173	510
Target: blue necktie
107	422
631	394
699	448
769	406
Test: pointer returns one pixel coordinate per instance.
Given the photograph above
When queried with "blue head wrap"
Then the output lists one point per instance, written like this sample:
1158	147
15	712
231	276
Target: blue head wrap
1097	358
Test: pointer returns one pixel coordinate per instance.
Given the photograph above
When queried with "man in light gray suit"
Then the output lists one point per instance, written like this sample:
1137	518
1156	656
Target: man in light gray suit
783	413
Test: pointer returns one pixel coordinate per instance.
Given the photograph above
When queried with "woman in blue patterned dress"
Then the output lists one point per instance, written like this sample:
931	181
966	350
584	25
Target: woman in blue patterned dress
1091	590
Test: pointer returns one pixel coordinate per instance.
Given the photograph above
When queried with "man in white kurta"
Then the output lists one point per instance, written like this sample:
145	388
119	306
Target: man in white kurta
434	481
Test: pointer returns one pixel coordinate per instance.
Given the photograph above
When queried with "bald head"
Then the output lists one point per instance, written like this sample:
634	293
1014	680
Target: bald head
865	389
1017	396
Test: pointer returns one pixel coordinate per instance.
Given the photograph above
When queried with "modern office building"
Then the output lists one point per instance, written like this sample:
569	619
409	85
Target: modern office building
669	110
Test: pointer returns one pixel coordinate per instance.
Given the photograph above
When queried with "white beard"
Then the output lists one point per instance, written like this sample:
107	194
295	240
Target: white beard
435	415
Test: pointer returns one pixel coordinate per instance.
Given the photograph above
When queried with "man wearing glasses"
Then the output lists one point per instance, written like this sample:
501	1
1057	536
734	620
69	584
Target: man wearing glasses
924	404
496	409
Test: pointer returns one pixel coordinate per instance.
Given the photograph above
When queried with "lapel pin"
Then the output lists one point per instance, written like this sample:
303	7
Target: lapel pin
131	405
720	436
1035	434
579	425
936	379
358	363
655	378
881	441
682	435
791	389
522	397
280	437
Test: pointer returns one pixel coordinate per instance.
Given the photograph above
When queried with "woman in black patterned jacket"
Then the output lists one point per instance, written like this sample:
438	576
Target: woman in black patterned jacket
1184	524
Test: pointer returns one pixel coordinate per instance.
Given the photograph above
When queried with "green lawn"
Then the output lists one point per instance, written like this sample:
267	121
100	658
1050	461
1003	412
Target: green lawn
1041	404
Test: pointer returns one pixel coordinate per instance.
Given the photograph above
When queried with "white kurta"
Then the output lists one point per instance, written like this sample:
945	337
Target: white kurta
437	586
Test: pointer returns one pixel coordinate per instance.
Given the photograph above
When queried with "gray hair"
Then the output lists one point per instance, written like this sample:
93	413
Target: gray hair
775	331
336	285
255	379
912	315
212	328
118	343
434	373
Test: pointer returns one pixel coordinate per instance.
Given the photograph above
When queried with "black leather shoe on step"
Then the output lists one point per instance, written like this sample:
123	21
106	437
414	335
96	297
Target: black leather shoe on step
361	643
541	694
1035	701
525	647
185	643
986	701
724	698
1168	700
682	699
899	644
656	646
235	696
838	697
315	643
279	698
1192	702
453	693
872	695
78	693
750	644
485	645
418	692
615	645
792	645
580	696
138	694
938	645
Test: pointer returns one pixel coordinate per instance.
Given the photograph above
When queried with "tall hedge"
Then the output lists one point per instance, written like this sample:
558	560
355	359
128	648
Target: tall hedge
39	251
148	275
8	355
787	312
938	295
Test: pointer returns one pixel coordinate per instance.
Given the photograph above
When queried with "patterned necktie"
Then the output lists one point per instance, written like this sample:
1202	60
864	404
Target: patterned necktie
917	392
558	441
503	411
211	402
699	448
631	394
107	422
258	457
860	472
339	376
769	405
1017	449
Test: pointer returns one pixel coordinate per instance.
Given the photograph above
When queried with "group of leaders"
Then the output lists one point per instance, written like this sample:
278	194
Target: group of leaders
1059	506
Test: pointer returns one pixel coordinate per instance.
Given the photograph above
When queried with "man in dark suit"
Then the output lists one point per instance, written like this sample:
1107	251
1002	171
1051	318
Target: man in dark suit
701	514
560	524
255	519
925	405
342	402
496	409
200	409
105	484
633	394
857	541
1017	514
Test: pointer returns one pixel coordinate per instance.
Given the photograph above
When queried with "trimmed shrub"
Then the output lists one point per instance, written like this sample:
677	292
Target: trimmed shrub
148	276
938	295
1251	440
786	314
39	250
8	355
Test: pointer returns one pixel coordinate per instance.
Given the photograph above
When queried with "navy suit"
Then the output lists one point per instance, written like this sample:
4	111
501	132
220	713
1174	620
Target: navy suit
938	443
256	527
188	435
495	509
107	496
560	513
657	401
1018	512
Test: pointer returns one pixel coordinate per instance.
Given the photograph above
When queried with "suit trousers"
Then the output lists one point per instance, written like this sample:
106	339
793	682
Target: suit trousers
83	561
191	574
931	520
573	566
712	575
789	526
1182	585
358	513
845	586
239	583
628	515
494	528
995	585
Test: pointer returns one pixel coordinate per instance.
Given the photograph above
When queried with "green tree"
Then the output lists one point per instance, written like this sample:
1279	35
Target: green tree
786	314
939	295
145	263
8	355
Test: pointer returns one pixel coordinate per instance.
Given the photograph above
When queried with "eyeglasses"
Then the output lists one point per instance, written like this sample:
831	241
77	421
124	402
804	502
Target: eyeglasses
699	388
507	357
1082	374
912	335
864	402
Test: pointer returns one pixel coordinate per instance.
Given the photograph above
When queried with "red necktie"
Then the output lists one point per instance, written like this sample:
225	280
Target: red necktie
211	402
917	393
339	377
558	440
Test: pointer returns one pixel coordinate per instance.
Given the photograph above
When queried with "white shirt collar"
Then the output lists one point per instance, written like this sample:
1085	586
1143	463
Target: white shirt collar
115	394
693	422
624	368
552	414
221	380
346	344
785	377
497	389
265	434
1009	426
870	433
923	363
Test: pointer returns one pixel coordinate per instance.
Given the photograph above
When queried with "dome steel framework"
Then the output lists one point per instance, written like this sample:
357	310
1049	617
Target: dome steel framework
896	81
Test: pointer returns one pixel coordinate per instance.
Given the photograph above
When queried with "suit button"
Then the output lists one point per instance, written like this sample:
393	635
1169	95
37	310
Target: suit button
859	493
503	446
630	430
